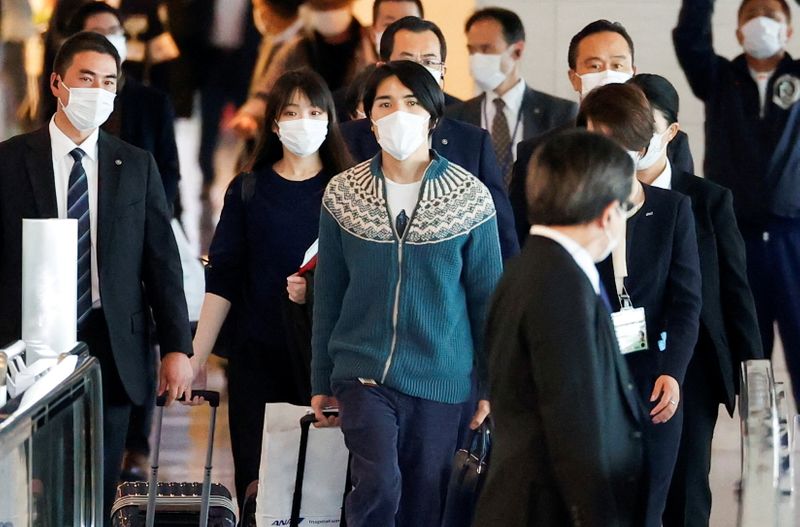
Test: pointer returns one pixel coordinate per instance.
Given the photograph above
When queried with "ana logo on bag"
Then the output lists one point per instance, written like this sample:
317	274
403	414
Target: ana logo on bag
287	522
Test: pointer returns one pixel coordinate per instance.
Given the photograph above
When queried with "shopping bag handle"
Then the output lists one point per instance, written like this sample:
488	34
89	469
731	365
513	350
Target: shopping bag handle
211	397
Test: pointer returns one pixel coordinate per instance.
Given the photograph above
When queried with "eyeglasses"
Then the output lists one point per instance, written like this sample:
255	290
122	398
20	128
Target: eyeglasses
432	64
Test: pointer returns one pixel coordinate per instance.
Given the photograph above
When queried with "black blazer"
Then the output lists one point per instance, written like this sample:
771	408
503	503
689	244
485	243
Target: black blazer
147	121
568	441
664	279
678	154
540	112
135	248
728	325
469	147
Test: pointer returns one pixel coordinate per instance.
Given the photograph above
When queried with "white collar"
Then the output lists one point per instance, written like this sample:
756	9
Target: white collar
512	98
63	145
289	32
578	253
664	179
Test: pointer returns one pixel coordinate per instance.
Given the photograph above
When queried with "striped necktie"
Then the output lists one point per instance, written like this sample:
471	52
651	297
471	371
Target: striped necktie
501	140
78	208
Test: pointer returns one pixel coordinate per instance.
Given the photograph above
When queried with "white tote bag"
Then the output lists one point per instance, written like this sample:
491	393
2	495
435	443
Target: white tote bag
324	476
194	277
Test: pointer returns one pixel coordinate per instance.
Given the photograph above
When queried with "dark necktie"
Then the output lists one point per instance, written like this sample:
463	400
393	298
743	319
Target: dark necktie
78	208
604	296
401	223
501	140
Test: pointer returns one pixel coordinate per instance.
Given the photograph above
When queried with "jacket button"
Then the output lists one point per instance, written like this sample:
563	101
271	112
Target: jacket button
445	141
630	386
636	435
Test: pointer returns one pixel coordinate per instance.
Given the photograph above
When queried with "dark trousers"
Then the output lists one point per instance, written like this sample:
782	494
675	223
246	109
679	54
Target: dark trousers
224	82
773	261
116	406
401	450
689	501
661	451
256	375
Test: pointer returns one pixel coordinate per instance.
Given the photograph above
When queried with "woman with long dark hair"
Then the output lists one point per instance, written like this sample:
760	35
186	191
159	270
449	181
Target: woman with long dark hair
269	220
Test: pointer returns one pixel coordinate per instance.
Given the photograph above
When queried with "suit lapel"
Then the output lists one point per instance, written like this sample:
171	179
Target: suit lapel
531	109
39	164
472	111
109	169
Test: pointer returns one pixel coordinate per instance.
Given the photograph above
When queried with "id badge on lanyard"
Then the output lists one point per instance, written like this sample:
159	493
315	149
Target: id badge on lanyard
630	326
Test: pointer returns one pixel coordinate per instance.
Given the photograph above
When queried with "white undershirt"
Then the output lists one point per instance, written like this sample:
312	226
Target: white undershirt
513	105
762	80
578	253
664	179
402	196
62	166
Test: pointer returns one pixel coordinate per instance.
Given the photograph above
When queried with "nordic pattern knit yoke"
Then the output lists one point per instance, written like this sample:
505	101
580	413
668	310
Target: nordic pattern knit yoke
407	312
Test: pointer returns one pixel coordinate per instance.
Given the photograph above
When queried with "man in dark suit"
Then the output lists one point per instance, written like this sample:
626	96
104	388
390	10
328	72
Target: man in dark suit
728	324
508	108
555	460
71	169
600	53
468	146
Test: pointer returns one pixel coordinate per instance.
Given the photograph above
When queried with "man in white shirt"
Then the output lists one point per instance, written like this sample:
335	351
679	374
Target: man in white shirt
70	169
567	419
507	107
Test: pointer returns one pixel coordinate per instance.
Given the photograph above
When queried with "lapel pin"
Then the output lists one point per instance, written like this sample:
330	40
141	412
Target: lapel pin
118	162
649	213
445	141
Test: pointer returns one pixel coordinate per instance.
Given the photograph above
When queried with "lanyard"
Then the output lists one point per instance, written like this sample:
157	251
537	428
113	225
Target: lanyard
488	126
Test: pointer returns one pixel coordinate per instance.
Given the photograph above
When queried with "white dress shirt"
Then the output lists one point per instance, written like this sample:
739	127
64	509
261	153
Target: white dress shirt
664	179
513	108
578	253
62	166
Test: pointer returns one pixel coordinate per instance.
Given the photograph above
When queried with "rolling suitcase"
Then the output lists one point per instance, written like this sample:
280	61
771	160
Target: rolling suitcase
176	504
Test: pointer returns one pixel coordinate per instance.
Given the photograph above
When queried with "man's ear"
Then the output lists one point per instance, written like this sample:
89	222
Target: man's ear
740	36
672	131
54	84
518	50
575	80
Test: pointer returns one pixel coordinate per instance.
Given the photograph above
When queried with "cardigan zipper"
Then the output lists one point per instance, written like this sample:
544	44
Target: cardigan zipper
400	240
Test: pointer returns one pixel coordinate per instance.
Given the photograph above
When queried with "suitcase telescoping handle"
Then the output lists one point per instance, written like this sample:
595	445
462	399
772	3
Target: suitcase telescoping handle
212	398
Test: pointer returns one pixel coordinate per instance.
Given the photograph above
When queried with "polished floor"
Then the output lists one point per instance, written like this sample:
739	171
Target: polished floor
185	428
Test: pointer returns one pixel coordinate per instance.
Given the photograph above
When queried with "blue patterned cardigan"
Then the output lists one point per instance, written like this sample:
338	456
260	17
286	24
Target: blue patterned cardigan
407	312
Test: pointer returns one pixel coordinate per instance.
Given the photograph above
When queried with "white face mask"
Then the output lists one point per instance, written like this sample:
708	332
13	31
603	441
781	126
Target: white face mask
436	74
635	156
378	43
590	81
654	151
120	44
487	70
88	108
763	37
400	133
332	22
303	137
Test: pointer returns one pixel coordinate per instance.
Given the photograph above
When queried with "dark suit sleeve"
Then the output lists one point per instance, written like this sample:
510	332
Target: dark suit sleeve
562	342
739	311
166	153
516	190
694	45
491	177
683	292
161	270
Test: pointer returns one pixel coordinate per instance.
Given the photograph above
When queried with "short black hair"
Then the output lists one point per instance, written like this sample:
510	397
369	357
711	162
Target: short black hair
513	30
574	175
415	25
377	3
661	94
79	17
598	26
784	7
78	43
623	110
416	78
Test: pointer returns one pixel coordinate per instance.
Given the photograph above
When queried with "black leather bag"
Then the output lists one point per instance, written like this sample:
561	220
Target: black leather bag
466	479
